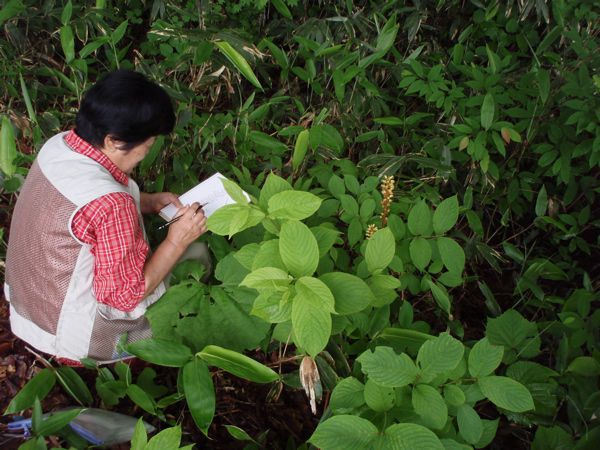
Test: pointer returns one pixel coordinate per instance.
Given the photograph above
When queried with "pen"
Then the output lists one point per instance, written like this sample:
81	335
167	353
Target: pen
175	219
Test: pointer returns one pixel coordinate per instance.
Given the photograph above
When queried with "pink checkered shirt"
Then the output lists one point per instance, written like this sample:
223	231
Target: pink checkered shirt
110	224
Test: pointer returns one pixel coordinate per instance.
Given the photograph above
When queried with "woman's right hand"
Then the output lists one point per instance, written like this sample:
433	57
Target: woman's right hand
189	227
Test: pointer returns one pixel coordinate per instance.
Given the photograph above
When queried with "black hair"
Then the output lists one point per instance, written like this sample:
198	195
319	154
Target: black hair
127	106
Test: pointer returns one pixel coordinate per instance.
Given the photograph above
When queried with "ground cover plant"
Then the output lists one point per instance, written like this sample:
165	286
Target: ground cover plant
418	255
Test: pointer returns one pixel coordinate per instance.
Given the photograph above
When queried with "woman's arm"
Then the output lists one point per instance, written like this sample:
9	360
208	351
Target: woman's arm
181	234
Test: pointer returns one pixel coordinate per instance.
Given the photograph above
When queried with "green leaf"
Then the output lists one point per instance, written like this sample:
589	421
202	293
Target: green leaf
420	219
543	77
541	203
234	191
295	205
67	42
387	36
351	294
445	215
429	404
234	218
327	136
410	436
345	432
379	398
199	393
11	9
452	254
74	385
440	355
487	111
420	252
57	421
238	433
267	279
506	393
141	398
119	32
454	395
282	8
168	438
470	425
298	249
311	317
484	358
161	352
273	185
440	295
140	436
300	148
512	330
38	387
347	395
237	364
273	307
238	61
8	148
387	368
585	366
380	250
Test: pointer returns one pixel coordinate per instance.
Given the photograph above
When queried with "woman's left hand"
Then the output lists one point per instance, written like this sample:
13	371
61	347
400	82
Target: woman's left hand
153	203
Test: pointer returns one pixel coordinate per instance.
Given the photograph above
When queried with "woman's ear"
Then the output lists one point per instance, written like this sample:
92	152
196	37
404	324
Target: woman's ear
113	144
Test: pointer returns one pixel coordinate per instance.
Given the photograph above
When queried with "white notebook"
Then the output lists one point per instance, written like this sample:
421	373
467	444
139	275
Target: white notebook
209	193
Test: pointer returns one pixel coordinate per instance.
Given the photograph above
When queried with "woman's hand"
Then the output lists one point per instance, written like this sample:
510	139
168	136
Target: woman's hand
153	203
189	227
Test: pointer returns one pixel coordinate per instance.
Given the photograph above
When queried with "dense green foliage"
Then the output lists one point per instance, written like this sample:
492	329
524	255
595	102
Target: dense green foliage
458	301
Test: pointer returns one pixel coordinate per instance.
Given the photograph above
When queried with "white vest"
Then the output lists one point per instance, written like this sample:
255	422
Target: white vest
49	272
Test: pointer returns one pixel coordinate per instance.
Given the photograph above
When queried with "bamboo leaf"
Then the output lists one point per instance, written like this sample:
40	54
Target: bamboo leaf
238	61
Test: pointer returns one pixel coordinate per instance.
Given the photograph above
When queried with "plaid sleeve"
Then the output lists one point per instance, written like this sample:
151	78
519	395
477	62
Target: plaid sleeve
110	224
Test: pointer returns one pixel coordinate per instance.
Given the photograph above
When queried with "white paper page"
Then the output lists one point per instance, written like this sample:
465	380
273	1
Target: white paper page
210	193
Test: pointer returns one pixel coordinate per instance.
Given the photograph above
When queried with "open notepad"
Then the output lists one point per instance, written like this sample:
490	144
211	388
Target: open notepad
209	193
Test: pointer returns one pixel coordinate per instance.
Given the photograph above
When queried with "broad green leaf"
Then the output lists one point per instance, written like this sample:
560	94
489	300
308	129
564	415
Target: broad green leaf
234	191
454	395
140	436
8	147
484	358
141	398
440	355
238	433
489	433
440	295
347	395
267	279
487	111
345	432
67	42
237	364
74	385
506	393
119	32
315	288
351	293
300	149
387	36
451	444
311	320
273	185
420	219
326	237
452	254
238	61
379	398
161	352
295	205
57	421
233	218
199	393
327	136
38	387
409	436
169	438
541	203
445	215
273	307
429	404
512	330
380	250
420	252
585	366
387	368
298	249
470	425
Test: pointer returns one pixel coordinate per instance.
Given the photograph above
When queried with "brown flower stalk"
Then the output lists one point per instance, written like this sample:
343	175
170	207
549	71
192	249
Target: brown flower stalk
387	191
371	229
